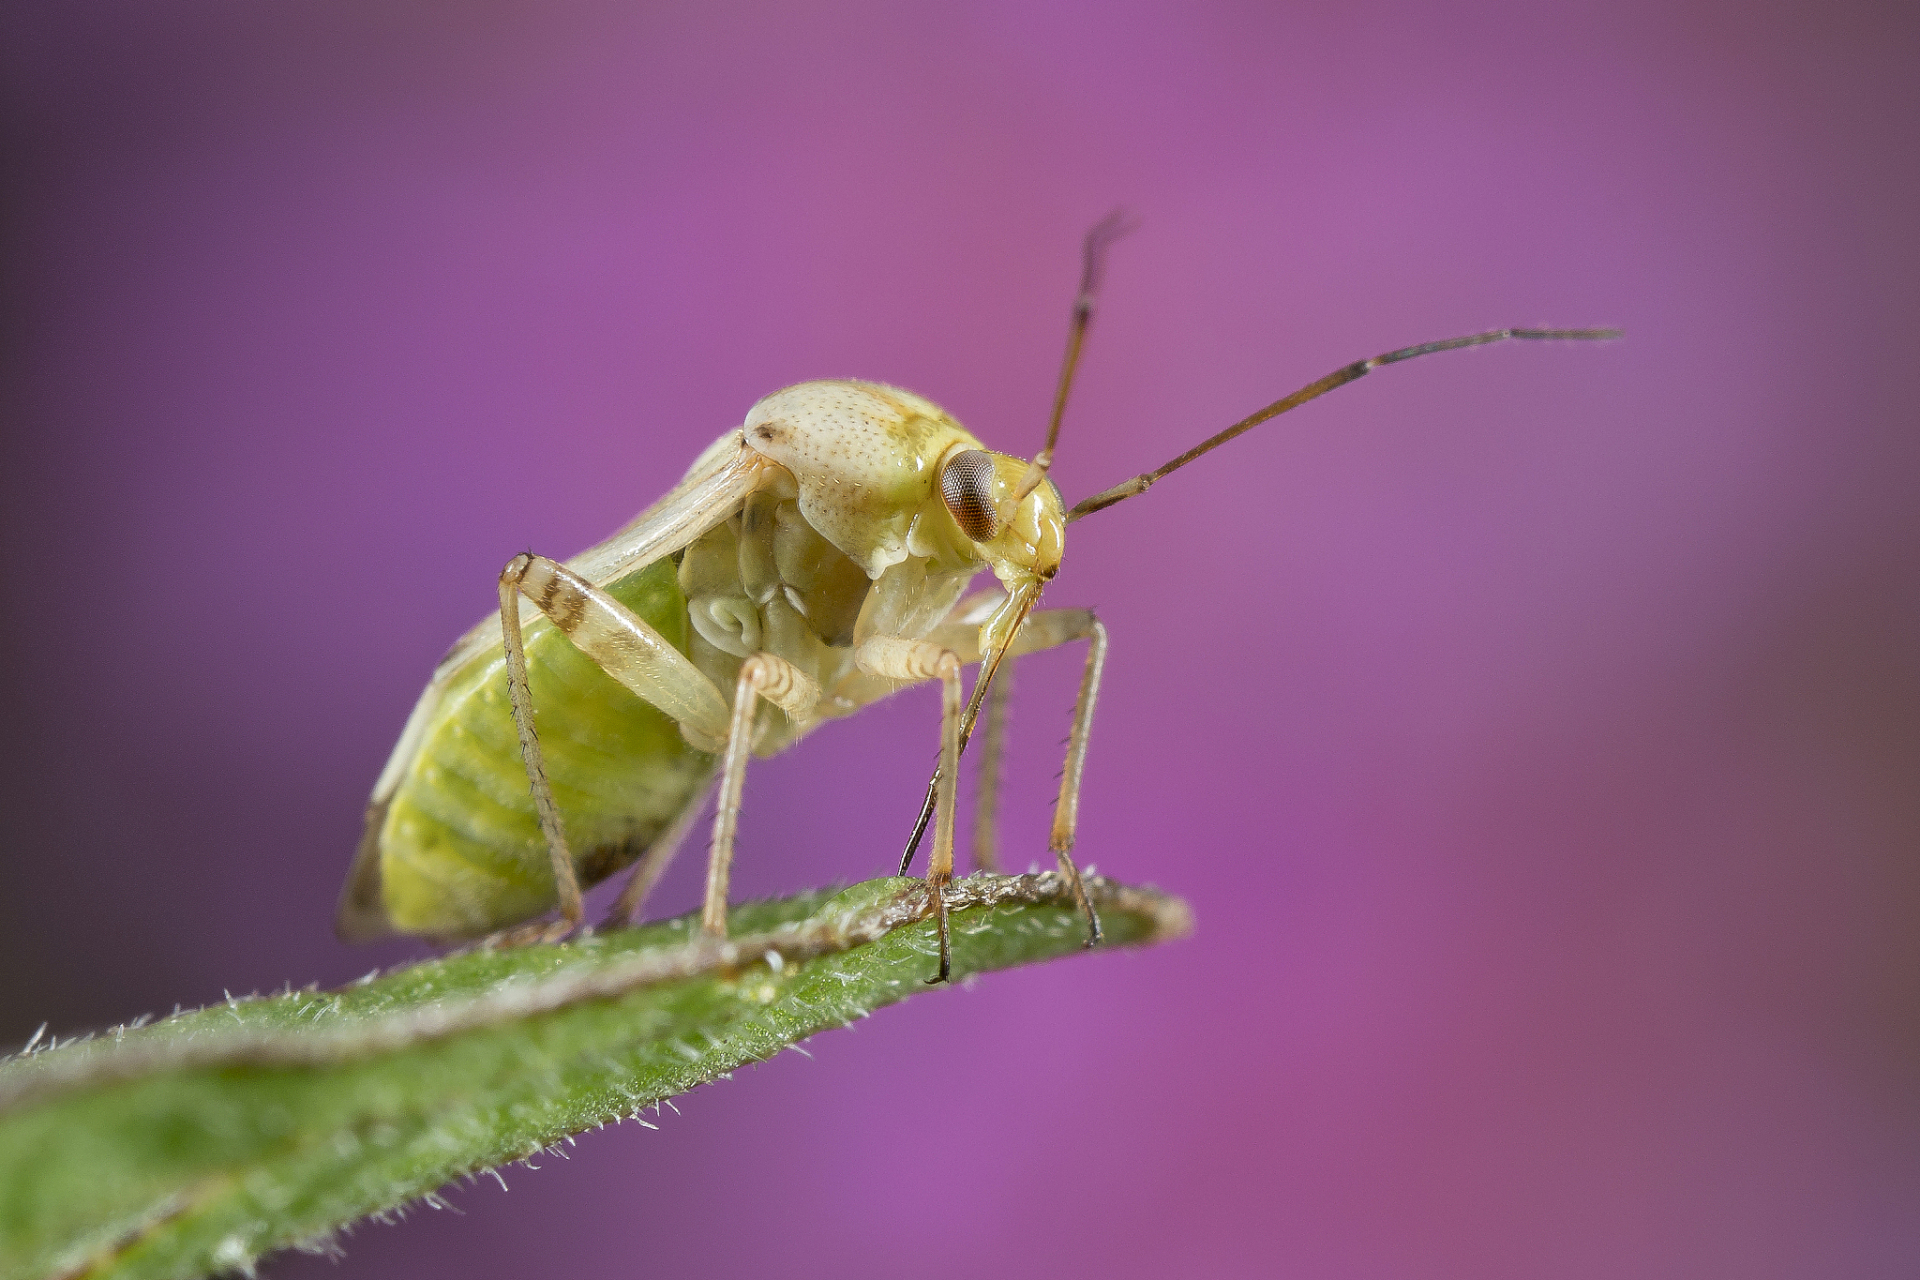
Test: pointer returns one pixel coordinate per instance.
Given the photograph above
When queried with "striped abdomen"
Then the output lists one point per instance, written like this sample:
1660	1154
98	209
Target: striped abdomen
460	847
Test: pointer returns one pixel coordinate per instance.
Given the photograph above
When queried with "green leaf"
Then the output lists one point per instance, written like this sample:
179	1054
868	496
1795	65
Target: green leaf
200	1142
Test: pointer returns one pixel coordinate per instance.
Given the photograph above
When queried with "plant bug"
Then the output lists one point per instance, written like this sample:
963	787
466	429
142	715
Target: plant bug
813	560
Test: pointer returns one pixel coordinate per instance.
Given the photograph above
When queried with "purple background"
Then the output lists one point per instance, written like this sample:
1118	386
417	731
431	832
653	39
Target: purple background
1536	731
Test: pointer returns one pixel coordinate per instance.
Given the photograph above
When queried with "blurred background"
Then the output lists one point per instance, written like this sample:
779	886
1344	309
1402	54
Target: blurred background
1535	730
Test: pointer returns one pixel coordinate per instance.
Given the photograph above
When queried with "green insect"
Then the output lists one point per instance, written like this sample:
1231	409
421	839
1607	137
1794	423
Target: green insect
814	560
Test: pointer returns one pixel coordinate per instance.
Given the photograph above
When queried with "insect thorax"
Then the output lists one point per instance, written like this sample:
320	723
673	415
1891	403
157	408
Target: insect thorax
766	580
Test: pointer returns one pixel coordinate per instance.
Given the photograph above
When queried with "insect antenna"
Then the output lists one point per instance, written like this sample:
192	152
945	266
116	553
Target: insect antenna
1093	270
1313	391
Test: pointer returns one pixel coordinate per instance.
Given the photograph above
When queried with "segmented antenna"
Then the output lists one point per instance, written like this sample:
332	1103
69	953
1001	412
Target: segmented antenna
1314	390
1093	270
1093	264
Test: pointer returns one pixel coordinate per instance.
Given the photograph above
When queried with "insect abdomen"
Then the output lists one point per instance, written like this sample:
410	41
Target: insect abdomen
460	847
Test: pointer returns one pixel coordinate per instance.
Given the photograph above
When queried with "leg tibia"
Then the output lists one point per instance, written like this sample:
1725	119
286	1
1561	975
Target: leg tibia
623	646
1066	812
900	659
762	675
986	802
653	864
1044	629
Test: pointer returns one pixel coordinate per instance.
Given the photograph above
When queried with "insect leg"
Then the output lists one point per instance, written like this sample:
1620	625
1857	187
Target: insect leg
653	864
623	646
900	659
986	800
960	627
762	675
1049	629
1066	812
1046	629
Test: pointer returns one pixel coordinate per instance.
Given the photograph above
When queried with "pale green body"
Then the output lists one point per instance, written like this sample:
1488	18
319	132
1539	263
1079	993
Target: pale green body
813	559
459	844
817	524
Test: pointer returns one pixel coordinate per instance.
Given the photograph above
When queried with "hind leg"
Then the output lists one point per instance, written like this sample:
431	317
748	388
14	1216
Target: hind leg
653	864
624	646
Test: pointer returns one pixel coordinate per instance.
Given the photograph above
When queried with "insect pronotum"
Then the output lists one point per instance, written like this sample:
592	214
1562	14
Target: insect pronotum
812	561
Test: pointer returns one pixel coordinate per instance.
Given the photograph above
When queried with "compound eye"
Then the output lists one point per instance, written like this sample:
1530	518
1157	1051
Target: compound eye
966	484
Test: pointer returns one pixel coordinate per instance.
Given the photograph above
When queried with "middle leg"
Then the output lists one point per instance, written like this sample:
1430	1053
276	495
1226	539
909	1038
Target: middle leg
1049	629
896	658
762	675
652	864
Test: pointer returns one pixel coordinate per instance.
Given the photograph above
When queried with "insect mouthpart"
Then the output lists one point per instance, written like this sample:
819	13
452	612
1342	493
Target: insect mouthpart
966	486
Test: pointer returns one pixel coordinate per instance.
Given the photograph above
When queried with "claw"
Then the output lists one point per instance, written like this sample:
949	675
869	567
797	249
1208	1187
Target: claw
533	933
939	895
1080	895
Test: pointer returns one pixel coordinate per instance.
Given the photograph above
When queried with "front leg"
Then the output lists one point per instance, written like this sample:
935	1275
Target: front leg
1045	629
899	659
